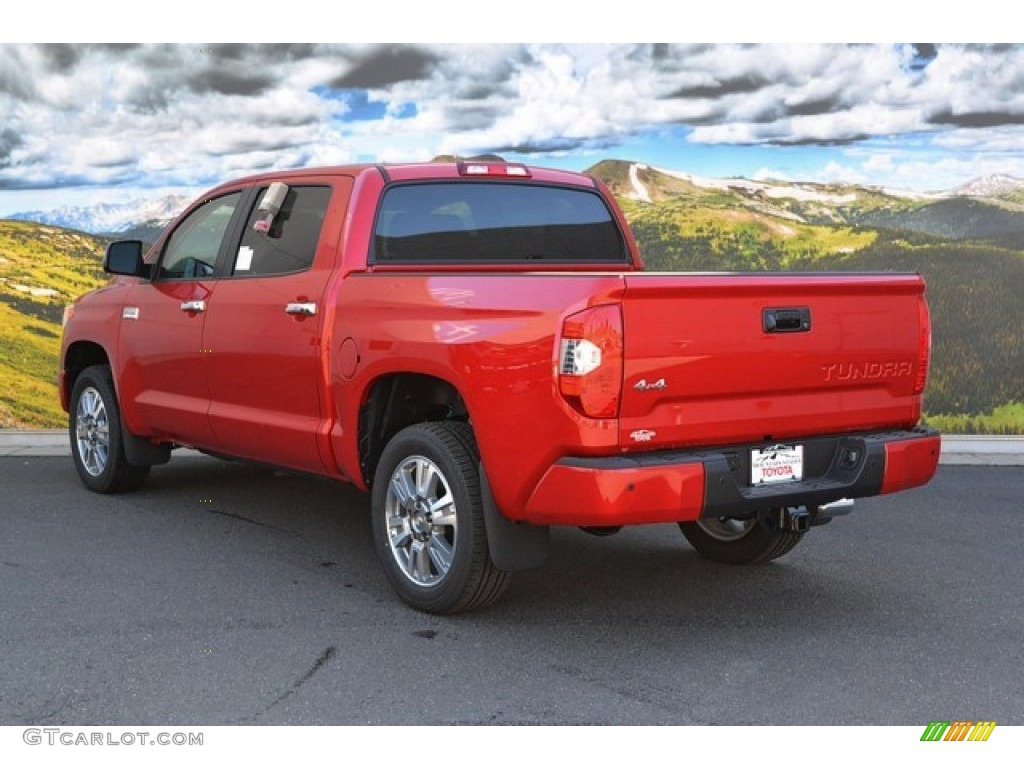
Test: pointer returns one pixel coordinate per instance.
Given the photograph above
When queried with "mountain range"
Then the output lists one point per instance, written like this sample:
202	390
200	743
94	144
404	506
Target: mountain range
111	218
988	206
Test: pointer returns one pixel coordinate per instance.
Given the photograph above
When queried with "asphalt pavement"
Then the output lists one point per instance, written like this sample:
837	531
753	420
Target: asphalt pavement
224	594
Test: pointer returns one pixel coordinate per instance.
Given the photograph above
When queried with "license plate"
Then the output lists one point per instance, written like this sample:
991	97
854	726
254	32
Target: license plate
778	464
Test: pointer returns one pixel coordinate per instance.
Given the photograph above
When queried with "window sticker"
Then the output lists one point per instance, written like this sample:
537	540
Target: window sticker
244	261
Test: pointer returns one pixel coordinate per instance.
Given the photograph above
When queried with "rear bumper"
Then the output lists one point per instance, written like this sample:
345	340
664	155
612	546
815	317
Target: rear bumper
671	486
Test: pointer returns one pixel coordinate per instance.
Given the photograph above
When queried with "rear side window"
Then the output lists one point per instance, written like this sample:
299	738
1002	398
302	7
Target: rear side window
479	222
290	243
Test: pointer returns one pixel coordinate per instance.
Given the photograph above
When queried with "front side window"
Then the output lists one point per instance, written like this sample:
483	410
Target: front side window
289	244
480	222
191	251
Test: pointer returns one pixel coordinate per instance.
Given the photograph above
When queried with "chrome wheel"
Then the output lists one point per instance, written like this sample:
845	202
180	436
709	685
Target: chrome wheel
92	432
726	528
421	520
428	520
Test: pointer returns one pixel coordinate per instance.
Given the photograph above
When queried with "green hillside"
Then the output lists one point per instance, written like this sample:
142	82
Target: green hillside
952	219
41	270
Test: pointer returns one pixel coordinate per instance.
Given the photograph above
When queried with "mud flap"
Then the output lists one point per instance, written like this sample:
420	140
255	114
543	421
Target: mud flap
141	452
513	546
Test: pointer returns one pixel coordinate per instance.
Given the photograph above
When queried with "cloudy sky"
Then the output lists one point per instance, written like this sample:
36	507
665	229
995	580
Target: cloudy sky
90	123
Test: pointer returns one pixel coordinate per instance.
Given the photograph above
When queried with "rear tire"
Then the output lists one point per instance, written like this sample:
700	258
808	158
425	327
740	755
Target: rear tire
428	523
741	542
94	426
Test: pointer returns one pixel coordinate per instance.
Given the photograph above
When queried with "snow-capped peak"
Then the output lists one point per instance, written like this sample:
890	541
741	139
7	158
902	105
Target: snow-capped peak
991	185
110	217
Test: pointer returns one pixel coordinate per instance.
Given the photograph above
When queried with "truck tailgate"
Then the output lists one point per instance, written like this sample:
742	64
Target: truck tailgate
720	359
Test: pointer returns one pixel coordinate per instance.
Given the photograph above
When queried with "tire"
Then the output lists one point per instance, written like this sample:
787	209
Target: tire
94	427
741	542
428	524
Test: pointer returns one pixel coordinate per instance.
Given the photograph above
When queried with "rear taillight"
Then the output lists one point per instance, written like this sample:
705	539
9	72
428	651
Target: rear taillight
590	361
924	347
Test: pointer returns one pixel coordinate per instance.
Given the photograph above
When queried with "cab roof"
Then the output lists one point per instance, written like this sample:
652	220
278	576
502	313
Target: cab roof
424	172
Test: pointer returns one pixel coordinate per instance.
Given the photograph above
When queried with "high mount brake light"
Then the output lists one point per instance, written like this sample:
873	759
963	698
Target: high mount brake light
590	361
474	168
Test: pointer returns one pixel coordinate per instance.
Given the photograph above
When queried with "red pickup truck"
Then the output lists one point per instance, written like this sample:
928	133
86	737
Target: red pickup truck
476	344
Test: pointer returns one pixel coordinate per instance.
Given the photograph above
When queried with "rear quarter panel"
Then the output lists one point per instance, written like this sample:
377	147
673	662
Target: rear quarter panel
492	337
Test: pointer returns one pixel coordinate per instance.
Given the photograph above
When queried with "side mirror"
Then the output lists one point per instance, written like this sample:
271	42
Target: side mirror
124	257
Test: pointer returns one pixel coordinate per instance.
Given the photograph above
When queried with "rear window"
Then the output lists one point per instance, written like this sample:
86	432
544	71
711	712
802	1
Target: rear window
479	222
290	244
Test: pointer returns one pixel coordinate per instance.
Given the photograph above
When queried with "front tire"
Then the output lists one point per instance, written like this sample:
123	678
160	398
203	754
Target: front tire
741	542
94	425
428	524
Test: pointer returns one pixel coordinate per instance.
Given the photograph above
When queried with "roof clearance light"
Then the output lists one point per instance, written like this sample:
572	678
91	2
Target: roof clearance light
494	169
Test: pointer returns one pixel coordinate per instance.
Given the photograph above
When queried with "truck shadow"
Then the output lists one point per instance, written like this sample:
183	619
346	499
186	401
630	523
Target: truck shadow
642	576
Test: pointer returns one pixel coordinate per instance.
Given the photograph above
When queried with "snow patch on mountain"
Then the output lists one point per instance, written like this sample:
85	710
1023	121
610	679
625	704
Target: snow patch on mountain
777	191
910	195
639	190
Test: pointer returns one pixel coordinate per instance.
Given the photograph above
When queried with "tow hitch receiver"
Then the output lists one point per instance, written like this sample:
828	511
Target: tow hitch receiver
796	519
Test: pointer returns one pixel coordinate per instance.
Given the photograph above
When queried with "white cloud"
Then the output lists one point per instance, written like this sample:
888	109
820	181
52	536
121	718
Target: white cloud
837	172
173	115
879	162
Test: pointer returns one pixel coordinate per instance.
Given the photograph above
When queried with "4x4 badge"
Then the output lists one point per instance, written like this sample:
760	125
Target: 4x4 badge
643	386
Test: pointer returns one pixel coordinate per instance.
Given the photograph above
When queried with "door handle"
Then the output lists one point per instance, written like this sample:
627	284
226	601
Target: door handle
196	305
304	308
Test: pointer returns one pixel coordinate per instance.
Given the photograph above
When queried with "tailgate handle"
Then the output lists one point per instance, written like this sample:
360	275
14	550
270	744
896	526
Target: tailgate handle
788	320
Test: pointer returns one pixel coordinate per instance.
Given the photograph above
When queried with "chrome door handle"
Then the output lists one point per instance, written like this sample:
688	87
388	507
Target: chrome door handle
305	308
196	305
